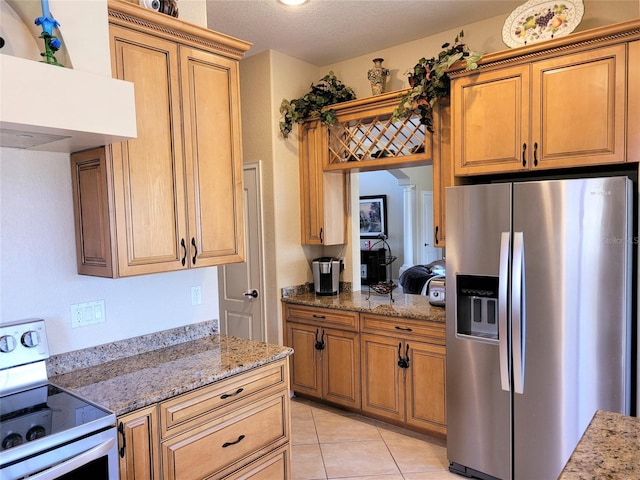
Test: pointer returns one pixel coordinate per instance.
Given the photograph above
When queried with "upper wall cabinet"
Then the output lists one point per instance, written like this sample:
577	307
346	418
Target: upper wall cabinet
322	195
171	198
557	104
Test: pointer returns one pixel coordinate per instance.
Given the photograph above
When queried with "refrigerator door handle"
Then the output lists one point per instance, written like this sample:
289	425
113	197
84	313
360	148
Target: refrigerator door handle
518	312
503	289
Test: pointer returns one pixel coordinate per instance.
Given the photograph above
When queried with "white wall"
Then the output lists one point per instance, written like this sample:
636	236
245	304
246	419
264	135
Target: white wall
38	276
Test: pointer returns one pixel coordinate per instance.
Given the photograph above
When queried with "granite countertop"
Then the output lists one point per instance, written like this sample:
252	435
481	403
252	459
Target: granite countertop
404	305
608	449
129	383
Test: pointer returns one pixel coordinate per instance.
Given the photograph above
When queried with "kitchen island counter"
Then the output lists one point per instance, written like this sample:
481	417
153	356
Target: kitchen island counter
127	384
609	448
404	305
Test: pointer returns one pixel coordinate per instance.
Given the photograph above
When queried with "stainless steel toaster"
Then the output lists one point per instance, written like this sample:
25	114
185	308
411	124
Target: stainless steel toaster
436	291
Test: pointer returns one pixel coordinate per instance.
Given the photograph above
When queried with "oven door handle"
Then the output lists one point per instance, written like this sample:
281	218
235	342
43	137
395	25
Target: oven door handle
76	462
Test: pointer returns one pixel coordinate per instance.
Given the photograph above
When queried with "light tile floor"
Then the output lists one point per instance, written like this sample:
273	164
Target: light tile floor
328	443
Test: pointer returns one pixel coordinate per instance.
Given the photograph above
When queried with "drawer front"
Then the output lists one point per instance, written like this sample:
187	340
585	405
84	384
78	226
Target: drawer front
343	319
404	328
200	406
274	465
214	451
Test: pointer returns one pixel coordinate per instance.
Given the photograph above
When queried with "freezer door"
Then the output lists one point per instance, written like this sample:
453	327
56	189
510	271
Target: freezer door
478	432
577	241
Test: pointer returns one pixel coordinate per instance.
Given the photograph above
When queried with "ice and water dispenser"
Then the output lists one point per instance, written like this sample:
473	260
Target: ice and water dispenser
477	306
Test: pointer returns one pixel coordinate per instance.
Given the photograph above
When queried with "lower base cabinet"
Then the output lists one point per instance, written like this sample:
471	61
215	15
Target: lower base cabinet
139	441
236	429
386	367
403	372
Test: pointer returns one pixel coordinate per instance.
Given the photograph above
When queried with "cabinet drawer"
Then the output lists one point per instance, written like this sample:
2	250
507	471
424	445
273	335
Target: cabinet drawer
274	465
404	327
213	451
343	319
200	406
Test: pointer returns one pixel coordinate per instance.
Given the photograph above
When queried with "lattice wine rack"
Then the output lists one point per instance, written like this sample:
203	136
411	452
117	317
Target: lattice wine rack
364	133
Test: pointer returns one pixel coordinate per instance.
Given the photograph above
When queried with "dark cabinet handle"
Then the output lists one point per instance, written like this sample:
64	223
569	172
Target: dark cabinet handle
228	444
195	254
184	249
321	240
406	356
402	362
524	154
437	241
124	439
319	343
535	154
404	329
318	316
227	395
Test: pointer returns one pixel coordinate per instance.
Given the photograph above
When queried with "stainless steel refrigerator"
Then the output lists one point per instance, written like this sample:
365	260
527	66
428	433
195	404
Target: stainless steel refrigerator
538	320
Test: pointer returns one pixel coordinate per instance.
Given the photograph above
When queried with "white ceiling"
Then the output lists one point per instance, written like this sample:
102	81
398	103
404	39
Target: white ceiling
323	32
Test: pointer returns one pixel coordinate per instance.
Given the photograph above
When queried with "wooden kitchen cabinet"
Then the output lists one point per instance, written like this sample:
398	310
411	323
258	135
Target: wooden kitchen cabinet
238	428
322	195
562	111
173	195
325	363
442	169
138	442
633	138
403	371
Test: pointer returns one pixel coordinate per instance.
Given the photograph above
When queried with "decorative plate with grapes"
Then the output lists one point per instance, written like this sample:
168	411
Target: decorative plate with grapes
539	20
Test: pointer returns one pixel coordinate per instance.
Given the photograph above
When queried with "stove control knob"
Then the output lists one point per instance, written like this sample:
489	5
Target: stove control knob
11	440
36	432
7	343
30	339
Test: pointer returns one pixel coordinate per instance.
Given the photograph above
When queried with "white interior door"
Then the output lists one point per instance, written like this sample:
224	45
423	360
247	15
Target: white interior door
242	306
427	253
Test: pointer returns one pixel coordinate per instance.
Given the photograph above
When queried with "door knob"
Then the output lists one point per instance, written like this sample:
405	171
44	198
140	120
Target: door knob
251	293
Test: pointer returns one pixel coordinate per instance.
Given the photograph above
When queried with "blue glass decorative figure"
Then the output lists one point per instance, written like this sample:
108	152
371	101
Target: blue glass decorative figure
51	43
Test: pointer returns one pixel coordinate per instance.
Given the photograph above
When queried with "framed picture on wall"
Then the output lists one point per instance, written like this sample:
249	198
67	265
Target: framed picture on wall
373	216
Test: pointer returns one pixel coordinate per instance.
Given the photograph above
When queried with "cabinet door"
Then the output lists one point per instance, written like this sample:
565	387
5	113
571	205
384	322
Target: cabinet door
306	370
138	443
382	379
340	367
426	405
633	130
578	105
491	121
92	212
322	195
213	154
442	169
148	171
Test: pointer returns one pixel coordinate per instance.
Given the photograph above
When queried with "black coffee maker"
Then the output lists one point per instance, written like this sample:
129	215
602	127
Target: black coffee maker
326	275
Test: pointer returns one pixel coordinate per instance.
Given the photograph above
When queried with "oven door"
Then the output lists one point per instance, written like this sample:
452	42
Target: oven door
94	457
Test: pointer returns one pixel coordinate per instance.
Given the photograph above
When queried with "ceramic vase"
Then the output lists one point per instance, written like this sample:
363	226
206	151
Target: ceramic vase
378	76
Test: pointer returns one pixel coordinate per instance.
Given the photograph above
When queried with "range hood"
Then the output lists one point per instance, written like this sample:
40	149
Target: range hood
50	108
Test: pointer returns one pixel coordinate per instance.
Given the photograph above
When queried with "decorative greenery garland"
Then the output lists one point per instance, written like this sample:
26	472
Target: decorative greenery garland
328	91
429	81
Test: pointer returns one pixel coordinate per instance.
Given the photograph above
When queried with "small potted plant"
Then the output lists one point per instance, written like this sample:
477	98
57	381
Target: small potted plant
328	91
429	81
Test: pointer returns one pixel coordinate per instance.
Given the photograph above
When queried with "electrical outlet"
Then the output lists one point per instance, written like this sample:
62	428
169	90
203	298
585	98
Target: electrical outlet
196	295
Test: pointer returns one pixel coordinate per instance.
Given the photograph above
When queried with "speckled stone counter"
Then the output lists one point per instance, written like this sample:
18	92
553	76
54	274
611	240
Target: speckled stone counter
404	305
609	449
126	384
